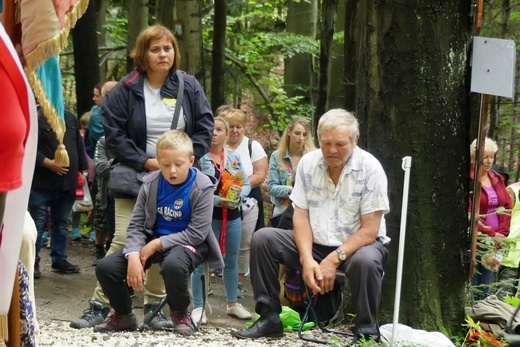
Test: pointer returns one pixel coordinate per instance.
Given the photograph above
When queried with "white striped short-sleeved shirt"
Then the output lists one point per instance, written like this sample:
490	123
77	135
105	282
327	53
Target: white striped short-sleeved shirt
335	210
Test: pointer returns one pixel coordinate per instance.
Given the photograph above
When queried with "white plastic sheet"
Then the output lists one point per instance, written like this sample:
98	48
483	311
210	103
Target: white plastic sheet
407	336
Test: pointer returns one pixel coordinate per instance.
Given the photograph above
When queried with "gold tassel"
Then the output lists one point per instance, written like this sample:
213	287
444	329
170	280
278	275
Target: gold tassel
53	118
61	157
37	57
4	329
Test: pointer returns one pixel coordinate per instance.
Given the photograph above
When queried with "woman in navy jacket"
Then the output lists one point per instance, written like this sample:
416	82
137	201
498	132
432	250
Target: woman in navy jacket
135	114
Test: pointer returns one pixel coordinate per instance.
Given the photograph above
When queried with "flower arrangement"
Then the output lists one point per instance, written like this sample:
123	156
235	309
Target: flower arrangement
229	180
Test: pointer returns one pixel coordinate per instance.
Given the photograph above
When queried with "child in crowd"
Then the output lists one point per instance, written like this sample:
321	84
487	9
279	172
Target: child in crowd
104	210
76	216
170	225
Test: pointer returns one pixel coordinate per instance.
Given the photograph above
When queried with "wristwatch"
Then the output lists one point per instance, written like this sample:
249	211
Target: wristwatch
342	256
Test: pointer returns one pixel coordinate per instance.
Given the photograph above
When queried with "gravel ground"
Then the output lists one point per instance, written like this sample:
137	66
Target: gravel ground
55	333
62	298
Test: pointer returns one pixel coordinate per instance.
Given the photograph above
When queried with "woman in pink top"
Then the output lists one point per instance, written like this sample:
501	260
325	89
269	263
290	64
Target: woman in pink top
493	195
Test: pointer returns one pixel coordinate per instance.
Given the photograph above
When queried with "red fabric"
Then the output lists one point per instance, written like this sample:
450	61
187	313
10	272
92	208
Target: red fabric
223	230
14	122
63	7
497	181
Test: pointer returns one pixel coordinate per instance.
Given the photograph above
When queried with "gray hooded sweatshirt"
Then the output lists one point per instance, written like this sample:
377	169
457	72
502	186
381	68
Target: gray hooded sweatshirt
140	230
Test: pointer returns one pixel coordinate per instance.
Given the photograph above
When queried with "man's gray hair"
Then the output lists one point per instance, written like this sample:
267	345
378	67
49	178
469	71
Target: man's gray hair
337	117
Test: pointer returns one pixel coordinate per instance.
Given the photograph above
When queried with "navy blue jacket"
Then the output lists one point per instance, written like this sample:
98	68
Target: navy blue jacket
124	117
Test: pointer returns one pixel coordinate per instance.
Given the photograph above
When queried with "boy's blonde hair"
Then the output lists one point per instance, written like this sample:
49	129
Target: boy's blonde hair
176	140
84	119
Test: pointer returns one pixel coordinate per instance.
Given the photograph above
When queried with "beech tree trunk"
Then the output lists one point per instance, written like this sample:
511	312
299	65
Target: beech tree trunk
336	86
137	22
218	64
328	11
302	17
190	45
412	93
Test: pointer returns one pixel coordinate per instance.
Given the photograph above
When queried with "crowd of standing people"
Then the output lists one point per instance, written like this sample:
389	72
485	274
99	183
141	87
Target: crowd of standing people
177	191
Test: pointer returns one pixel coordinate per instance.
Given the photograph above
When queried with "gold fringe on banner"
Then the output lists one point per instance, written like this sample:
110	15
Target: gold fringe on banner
37	57
58	43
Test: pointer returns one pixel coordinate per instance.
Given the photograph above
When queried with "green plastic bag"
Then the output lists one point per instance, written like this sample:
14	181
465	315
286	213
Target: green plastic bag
290	319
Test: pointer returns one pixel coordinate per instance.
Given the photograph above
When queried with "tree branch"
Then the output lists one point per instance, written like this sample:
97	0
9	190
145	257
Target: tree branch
250	77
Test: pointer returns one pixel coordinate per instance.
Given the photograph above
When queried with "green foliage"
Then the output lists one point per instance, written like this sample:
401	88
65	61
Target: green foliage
256	39
116	29
512	300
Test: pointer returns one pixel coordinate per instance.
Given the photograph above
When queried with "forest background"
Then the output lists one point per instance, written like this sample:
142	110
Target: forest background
402	66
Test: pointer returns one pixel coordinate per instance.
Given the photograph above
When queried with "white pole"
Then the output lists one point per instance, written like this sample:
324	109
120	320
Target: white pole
406	166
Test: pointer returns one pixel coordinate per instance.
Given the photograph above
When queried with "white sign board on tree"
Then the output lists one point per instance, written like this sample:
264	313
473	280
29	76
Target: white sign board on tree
493	70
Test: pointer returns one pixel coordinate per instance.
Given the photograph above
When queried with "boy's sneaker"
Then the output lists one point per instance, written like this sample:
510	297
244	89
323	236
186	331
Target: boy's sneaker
182	323
117	322
92	316
238	311
159	322
196	316
99	254
64	267
240	291
76	236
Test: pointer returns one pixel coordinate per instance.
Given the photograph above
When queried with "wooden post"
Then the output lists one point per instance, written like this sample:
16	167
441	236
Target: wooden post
481	140
14	314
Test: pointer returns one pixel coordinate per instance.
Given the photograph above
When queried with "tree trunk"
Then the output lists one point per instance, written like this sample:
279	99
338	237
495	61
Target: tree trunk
101	19
164	11
137	22
190	45
218	66
349	68
86	59
335	94
413	99
302	17
329	8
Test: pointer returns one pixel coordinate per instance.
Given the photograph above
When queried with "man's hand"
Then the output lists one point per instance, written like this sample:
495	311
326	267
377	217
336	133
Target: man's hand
148	250
135	275
328	269
57	169
312	276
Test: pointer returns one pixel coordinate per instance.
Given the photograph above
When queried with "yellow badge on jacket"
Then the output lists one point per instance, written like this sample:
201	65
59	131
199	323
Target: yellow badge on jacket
170	101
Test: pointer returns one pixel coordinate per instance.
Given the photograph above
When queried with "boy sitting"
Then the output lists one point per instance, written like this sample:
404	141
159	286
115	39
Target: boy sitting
170	225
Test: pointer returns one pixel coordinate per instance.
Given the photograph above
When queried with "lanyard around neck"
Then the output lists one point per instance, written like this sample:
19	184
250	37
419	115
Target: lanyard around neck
222	163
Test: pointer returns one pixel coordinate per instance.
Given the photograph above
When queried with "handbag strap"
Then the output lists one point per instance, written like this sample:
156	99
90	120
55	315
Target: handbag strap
178	103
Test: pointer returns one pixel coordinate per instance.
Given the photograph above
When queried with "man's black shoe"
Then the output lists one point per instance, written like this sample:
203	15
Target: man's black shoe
263	327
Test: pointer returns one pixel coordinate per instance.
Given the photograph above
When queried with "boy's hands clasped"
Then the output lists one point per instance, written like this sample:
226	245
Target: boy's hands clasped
136	275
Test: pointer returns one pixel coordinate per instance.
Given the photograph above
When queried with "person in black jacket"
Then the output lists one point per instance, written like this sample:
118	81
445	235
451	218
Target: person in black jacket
53	188
136	112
